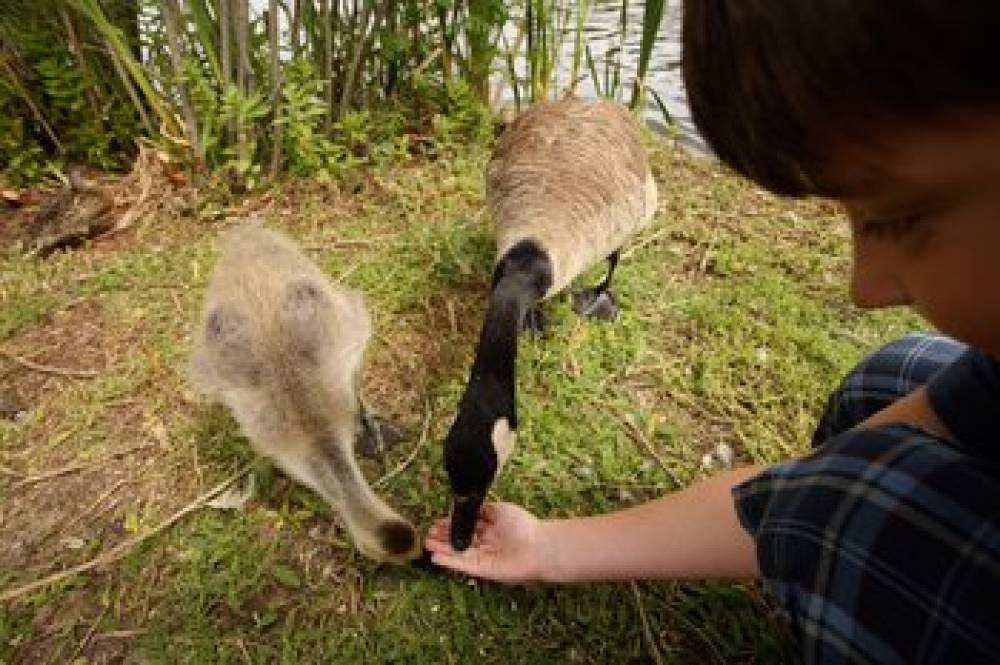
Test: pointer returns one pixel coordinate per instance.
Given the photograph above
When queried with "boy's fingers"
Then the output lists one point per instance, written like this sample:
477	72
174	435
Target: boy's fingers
487	511
439	529
437	544
468	562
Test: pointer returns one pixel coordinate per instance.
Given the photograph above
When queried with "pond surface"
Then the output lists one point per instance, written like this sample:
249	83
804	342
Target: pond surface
611	47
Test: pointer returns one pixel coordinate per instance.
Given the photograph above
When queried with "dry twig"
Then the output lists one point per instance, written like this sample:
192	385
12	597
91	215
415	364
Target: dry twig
647	631
86	638
73	468
119	634
648	240
48	369
638	436
122	549
413	454
79	518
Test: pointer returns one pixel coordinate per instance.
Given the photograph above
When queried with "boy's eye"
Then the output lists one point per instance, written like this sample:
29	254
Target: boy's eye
890	227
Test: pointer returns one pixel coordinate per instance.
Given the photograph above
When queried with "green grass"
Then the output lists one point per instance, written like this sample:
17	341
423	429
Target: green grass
735	327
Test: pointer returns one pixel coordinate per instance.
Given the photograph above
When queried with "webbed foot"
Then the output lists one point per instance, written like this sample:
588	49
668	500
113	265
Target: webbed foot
535	320
378	435
595	303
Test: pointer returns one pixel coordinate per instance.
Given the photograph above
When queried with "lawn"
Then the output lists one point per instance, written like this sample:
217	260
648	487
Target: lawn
735	325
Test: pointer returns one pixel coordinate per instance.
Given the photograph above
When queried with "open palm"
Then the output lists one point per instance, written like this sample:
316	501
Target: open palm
508	546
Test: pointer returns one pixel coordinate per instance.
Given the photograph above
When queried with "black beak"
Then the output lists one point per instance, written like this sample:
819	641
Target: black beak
463	519
425	562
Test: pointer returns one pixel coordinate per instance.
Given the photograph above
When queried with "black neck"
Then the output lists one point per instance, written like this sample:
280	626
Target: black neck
521	278
496	355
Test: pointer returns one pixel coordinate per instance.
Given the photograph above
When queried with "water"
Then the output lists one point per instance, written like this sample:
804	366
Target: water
603	33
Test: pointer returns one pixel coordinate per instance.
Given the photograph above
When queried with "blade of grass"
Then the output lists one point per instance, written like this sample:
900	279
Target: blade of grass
652	17
593	70
582	11
115	42
205	29
667	116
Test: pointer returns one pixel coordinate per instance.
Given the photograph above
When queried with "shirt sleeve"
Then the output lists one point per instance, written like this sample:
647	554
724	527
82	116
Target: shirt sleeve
966	397
881	546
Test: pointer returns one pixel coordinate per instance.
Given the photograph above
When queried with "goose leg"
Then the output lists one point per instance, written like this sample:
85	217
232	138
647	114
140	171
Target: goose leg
535	319
378	434
598	302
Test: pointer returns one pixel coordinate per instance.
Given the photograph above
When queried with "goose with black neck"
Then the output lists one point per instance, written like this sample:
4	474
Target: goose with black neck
568	184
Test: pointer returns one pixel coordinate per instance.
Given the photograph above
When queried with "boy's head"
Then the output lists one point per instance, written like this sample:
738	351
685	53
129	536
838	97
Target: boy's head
890	106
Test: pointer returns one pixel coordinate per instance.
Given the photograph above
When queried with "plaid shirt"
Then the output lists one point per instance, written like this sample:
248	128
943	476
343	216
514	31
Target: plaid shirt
883	545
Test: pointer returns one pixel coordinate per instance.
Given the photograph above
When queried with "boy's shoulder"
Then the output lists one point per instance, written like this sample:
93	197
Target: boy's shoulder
966	397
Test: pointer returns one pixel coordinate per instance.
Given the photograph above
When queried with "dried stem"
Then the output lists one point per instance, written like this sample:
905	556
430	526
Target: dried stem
121	550
413	454
647	631
48	369
73	468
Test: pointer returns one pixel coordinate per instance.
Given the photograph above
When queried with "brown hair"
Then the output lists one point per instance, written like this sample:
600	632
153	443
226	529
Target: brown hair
774	84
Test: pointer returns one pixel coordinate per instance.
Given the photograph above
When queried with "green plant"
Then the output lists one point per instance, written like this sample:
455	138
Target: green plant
483	26
243	111
539	17
464	118
22	158
306	149
651	20
230	85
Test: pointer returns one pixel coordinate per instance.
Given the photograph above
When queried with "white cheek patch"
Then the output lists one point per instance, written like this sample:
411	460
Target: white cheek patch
504	439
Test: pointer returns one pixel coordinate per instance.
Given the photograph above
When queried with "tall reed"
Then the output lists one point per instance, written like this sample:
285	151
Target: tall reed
224	82
652	19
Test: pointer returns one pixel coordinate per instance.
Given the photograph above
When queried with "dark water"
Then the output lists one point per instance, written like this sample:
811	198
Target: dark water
610	44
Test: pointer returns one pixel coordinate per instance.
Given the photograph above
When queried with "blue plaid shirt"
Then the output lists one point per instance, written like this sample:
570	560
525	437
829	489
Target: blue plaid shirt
883	545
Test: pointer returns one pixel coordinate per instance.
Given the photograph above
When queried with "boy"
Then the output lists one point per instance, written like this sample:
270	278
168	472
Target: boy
883	544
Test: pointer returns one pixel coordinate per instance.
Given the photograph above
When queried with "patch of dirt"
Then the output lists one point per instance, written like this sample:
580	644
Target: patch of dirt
61	631
79	476
69	518
72	338
419	348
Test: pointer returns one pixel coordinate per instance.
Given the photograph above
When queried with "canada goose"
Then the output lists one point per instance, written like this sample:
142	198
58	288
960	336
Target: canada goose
282	348
568	184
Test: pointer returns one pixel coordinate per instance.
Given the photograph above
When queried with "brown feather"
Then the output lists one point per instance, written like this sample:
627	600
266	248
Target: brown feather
573	176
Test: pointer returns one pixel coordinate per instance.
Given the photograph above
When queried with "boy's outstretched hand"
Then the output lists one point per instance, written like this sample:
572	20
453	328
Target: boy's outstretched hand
509	545
690	534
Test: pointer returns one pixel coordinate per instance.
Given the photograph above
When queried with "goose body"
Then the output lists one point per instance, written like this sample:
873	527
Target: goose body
573	177
568	184
282	347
